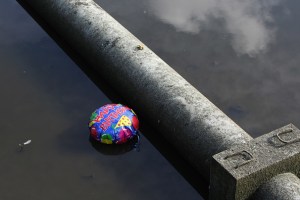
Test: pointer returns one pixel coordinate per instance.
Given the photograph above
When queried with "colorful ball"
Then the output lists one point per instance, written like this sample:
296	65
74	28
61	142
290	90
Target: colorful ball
113	124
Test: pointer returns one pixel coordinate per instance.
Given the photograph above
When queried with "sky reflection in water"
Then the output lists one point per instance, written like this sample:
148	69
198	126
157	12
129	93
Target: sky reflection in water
249	23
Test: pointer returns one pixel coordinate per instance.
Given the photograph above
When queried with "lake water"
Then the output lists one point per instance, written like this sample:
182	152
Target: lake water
243	56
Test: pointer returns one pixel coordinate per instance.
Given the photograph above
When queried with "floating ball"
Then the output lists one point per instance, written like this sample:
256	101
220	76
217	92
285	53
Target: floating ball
113	124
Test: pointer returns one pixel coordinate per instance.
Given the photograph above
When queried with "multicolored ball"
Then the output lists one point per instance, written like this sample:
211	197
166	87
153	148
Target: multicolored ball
113	124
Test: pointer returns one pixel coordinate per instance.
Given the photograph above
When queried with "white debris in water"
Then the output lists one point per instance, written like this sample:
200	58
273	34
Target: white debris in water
27	142
21	145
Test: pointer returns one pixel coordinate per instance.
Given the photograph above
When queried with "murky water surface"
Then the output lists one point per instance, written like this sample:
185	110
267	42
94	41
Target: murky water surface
243	55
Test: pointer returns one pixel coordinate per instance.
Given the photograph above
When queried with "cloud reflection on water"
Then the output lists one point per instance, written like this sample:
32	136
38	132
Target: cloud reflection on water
250	23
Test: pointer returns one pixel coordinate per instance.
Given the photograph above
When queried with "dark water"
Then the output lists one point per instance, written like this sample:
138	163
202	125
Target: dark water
244	57
46	98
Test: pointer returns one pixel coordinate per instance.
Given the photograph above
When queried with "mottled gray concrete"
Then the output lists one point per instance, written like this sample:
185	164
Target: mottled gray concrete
237	172
190	122
283	186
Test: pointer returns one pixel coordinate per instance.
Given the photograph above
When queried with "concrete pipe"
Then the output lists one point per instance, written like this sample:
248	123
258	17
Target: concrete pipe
281	187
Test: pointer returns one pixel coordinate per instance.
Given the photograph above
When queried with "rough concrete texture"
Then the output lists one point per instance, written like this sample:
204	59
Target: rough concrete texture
236	173
196	127
282	187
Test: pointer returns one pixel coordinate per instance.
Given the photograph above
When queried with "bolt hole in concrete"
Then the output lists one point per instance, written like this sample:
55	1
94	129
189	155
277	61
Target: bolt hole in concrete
243	56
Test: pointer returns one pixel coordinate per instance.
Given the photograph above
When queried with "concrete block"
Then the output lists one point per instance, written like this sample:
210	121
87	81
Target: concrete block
237	172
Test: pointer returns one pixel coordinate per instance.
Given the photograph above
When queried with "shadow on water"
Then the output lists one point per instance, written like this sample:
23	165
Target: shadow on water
114	149
76	139
171	154
160	143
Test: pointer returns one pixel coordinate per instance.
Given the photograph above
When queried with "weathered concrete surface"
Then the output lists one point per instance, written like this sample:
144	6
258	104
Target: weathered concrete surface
237	172
190	122
281	187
